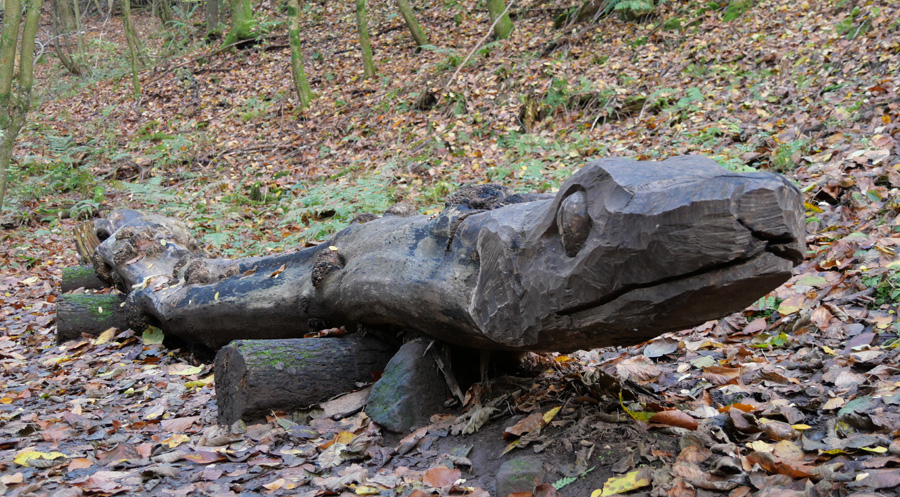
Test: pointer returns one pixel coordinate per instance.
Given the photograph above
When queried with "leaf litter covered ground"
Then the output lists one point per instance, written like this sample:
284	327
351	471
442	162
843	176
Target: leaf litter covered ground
798	395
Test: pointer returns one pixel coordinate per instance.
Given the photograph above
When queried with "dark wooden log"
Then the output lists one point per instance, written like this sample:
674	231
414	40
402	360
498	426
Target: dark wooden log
255	377
77	277
89	314
624	251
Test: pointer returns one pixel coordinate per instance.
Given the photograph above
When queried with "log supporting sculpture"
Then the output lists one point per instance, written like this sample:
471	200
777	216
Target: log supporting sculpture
625	251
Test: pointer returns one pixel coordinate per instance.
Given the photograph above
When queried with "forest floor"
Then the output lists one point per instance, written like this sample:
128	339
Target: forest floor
797	395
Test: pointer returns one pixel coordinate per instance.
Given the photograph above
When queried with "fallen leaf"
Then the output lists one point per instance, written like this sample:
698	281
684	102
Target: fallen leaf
152	336
80	463
625	483
28	457
178	424
531	423
680	419
13	479
441	476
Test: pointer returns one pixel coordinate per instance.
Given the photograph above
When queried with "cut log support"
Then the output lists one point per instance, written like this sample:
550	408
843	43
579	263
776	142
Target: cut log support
89	314
77	277
255	377
623	252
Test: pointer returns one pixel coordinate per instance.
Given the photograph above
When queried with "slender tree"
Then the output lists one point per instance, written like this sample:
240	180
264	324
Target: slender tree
213	16
300	82
65	25
15	88
163	11
362	25
134	48
242	22
417	32
502	28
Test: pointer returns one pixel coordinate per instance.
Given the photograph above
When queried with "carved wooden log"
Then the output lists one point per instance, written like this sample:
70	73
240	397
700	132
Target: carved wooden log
89	314
254	377
77	277
623	252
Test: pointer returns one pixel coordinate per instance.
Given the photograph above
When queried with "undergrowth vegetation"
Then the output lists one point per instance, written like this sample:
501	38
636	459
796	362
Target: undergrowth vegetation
218	138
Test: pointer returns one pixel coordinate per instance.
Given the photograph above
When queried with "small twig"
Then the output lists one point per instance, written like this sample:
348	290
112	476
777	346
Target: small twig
478	45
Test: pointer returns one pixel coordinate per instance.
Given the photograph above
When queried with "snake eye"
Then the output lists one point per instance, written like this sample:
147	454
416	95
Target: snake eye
573	222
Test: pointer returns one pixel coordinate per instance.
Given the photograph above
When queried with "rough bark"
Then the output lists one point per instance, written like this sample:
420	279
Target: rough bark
623	252
78	314
503	27
418	34
254	377
300	82
364	41
77	277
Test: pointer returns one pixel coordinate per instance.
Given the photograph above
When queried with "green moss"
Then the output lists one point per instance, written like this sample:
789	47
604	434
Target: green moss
274	355
77	272
99	306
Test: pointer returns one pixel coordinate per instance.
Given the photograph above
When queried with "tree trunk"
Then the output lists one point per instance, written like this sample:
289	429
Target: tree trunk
624	252
65	24
82	53
255	377
365	43
242	23
502	28
135	51
163	11
88	314
14	104
418	34
213	17
300	82
77	277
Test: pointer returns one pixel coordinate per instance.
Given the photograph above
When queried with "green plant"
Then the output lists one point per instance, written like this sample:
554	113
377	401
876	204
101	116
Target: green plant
853	26
562	482
454	57
326	208
765	341
557	95
767	305
887	288
736	9
84	209
692	96
254	107
631	9
784	157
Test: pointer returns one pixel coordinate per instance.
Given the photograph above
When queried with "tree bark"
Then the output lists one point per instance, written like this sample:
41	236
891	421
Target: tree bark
77	277
242	23
135	51
255	377
81	49
503	27
623	252
301	85
213	17
418	34
89	314
366	45
14	105
66	24
163	12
